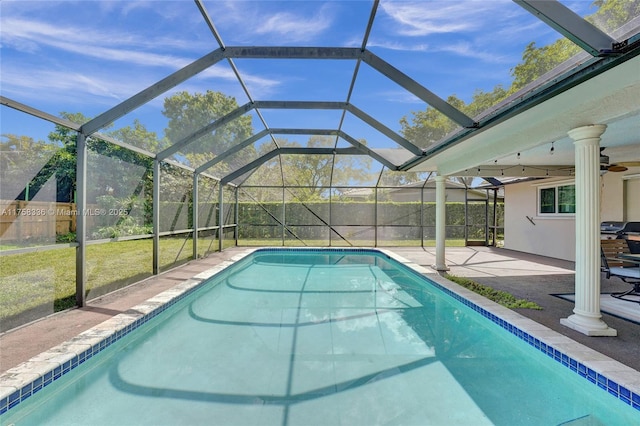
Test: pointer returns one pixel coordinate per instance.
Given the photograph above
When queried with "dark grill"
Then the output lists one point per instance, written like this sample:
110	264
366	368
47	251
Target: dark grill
629	231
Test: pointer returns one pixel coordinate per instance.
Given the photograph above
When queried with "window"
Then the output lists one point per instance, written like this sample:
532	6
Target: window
560	199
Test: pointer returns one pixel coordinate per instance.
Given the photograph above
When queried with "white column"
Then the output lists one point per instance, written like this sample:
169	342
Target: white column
441	203
586	317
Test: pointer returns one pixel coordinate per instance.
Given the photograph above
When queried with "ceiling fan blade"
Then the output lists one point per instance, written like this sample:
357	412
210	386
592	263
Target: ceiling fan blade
629	163
617	168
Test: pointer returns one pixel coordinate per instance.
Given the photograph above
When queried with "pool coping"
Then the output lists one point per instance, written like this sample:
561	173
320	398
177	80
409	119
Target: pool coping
21	382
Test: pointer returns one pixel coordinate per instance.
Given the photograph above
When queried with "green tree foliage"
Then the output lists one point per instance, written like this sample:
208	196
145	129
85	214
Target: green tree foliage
189	112
61	164
612	14
311	174
536	61
429	126
22	157
140	137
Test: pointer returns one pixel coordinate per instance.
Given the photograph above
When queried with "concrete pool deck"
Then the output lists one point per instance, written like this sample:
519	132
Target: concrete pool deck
536	278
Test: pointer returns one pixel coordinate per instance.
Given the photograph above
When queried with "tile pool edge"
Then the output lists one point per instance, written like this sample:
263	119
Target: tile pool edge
21	382
26	379
621	381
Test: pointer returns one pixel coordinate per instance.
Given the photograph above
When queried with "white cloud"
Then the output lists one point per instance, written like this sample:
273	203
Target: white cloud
481	30
294	27
89	65
77	87
261	23
424	18
397	45
34	36
106	87
461	48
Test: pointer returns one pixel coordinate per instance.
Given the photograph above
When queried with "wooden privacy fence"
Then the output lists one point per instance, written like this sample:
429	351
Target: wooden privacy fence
37	220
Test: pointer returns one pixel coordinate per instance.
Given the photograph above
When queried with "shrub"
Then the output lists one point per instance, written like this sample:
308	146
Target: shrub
501	297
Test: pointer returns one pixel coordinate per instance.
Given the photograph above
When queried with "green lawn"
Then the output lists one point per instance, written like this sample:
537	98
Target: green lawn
29	280
336	242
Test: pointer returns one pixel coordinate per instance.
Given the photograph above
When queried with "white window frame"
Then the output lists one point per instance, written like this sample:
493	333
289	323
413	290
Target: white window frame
554	186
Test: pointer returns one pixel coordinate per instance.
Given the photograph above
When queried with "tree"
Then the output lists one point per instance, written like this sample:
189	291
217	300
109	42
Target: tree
429	126
188	113
612	14
22	158
392	178
63	163
536	61
311	174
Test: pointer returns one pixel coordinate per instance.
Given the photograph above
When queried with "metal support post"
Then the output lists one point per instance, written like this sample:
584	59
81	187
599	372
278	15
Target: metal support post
422	215
466	217
486	220
495	216
237	219
220	216
330	213
156	217
375	218
195	215
81	222
283	216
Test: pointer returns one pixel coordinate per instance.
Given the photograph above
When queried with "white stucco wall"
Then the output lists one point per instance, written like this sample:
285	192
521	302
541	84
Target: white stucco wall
631	190
612	197
550	236
555	236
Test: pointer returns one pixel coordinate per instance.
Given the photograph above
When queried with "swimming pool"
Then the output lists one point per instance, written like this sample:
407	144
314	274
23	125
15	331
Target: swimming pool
328	336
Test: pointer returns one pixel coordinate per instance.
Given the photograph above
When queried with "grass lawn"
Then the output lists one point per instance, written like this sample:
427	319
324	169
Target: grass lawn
336	242
32	279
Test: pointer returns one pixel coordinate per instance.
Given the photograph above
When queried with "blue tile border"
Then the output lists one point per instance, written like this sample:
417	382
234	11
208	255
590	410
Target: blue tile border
56	373
620	392
608	385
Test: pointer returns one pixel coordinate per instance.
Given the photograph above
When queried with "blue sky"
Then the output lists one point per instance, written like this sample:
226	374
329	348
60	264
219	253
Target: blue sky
88	56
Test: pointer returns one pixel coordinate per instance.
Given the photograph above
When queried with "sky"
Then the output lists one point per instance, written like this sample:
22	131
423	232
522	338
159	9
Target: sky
89	56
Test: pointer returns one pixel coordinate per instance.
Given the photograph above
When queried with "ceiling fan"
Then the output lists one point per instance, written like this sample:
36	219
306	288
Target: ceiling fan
621	166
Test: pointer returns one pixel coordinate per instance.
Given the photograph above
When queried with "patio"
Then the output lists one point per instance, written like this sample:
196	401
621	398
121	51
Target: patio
536	278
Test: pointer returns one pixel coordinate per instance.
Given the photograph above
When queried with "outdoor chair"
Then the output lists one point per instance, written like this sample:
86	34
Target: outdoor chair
613	266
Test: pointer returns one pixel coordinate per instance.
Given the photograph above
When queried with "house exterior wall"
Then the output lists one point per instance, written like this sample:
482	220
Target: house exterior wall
554	236
611	197
546	236
631	189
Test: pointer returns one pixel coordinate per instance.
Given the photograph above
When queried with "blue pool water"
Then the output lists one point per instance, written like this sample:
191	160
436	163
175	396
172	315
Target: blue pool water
320	337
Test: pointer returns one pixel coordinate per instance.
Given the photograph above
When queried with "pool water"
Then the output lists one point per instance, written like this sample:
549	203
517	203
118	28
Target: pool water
324	337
